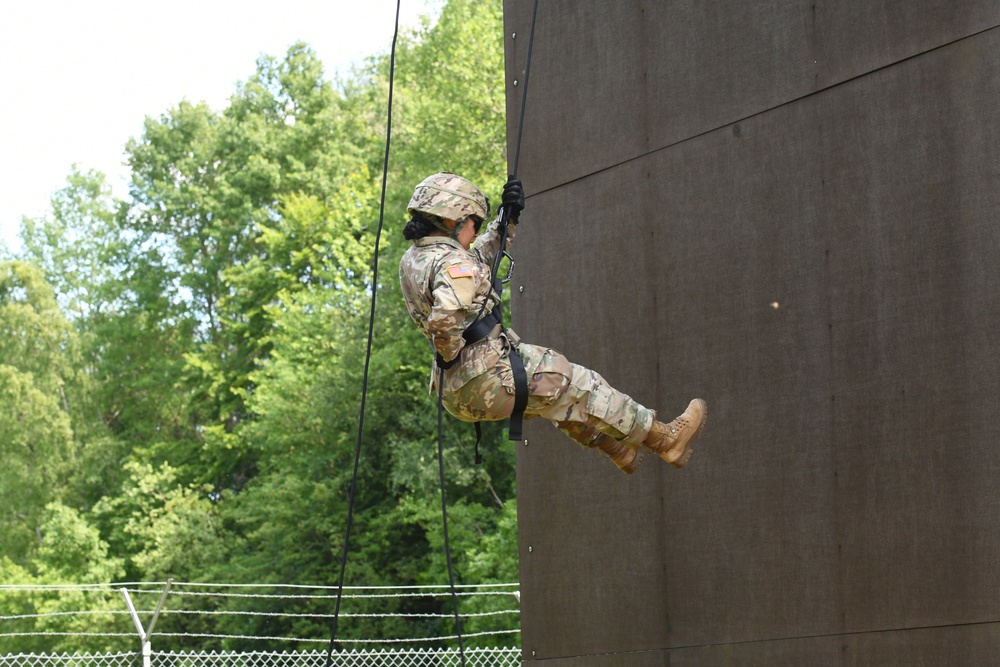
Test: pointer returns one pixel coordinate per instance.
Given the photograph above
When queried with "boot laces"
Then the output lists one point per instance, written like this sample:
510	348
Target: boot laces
676	426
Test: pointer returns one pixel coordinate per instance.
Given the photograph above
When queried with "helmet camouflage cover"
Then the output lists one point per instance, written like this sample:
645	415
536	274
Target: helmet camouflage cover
449	196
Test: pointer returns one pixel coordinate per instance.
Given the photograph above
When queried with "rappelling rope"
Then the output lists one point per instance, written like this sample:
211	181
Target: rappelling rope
497	284
368	349
444	522
524	90
504	218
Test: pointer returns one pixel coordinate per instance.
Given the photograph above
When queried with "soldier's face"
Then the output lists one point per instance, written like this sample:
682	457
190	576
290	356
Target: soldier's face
467	234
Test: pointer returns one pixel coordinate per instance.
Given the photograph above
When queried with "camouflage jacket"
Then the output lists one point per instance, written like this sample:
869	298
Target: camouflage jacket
445	285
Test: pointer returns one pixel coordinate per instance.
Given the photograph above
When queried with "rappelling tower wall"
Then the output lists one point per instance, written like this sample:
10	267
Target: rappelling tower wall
792	210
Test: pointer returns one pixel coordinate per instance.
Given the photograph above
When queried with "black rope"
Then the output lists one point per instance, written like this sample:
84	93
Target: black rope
505	216
496	284
444	519
524	90
504	212
368	352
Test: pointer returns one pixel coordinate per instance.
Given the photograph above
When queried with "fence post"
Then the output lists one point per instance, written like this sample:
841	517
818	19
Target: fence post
145	635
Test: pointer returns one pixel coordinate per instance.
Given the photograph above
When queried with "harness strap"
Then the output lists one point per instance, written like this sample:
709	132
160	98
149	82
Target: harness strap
482	328
445	365
520	395
476	332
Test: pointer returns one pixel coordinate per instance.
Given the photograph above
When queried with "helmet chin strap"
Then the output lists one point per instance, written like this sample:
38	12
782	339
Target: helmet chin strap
452	233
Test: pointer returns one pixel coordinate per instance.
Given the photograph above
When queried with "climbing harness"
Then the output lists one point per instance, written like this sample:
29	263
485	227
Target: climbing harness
483	327
516	363
480	329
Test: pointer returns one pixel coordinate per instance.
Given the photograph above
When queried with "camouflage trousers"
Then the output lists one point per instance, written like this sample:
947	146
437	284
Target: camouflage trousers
577	400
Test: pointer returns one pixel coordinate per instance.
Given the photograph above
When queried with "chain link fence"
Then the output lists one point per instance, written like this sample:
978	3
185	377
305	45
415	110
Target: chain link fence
244	625
487	657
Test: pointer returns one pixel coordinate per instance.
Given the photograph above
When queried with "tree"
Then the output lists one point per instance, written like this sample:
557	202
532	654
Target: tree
240	200
197	400
70	552
77	245
121	297
37	351
451	111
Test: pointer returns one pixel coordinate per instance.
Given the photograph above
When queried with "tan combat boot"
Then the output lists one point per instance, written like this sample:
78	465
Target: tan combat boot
672	442
623	456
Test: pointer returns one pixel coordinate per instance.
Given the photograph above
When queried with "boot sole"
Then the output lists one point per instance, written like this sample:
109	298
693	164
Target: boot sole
680	453
632	465
628	467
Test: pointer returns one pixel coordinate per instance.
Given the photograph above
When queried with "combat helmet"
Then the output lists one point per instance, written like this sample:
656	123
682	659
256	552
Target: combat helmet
450	197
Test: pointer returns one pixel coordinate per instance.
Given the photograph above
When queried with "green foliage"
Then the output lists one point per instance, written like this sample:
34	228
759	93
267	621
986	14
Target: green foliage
452	108
37	356
70	551
490	561
162	528
36	443
120	296
35	336
77	244
181	371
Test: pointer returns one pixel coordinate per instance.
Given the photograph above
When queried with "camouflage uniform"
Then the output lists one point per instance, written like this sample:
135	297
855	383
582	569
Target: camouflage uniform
446	289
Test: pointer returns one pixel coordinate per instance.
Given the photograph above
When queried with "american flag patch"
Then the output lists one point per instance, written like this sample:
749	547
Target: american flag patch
460	271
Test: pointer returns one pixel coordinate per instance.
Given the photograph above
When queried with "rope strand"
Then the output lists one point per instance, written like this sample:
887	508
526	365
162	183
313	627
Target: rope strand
368	349
371	325
444	519
524	90
504	220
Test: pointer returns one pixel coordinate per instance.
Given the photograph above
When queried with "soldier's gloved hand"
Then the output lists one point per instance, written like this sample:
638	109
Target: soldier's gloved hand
513	198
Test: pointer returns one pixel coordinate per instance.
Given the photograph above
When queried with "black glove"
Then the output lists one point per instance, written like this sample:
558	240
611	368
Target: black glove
513	198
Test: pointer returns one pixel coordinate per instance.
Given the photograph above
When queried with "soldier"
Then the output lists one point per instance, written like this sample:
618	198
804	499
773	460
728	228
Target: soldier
445	277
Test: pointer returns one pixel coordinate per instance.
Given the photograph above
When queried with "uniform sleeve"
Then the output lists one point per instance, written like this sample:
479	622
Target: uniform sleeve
487	244
454	288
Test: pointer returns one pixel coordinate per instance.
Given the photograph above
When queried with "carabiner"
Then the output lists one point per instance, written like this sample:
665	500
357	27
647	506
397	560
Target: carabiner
510	269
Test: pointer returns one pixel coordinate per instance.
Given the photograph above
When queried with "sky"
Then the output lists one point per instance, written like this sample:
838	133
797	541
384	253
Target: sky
80	77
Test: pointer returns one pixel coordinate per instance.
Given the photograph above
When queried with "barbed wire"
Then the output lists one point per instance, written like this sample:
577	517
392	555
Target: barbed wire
346	588
101	623
418	591
31	622
82	612
54	633
278	614
302	640
369	596
114	587
485	633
